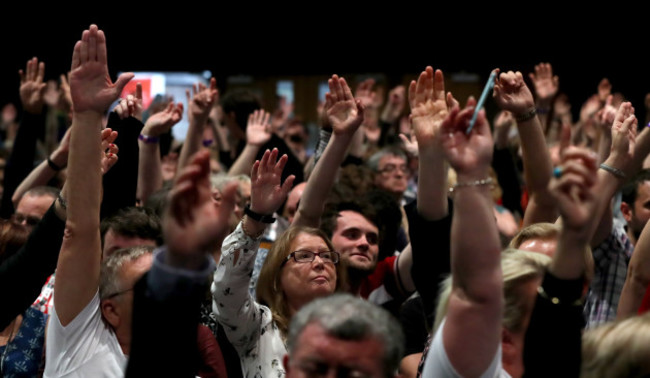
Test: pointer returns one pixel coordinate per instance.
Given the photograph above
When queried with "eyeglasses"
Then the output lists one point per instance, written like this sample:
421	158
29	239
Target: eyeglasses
29	220
390	168
118	293
304	256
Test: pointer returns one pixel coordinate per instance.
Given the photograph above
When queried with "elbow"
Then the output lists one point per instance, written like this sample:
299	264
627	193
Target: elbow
639	278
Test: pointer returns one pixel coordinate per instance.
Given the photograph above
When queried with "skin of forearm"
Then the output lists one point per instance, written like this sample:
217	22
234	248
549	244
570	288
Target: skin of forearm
537	162
321	181
476	260
149	170
569	260
39	176
245	161
84	170
432	193
192	143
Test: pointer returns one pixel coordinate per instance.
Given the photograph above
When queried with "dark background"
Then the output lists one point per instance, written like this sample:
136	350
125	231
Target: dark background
323	38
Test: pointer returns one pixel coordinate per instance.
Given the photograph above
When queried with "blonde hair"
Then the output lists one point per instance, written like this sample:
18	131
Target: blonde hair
269	289
540	230
617	349
518	267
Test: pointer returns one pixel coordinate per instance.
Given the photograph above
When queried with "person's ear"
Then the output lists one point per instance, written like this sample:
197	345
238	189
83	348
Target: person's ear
508	347
110	313
626	211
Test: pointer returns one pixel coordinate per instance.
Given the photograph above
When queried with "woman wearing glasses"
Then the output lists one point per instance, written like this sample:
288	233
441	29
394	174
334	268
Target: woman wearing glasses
301	266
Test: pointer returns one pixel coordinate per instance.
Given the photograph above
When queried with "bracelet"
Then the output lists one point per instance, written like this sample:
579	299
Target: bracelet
258	217
53	165
62	201
615	171
148	139
207	142
526	116
481	182
555	300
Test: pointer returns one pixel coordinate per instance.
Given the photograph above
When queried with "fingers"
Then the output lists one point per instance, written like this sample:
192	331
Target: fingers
347	93
412	87
439	85
122	81
451	101
92	43
279	166
404	139
41	72
428	84
101	47
84	46
228	200
287	185
138	91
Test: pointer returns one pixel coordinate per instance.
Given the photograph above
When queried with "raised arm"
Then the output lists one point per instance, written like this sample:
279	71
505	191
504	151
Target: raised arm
149	165
199	106
476	301
512	94
345	115
92	93
45	171
546	87
258	133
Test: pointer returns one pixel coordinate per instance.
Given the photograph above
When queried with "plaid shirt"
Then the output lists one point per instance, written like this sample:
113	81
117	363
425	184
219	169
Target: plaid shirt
611	258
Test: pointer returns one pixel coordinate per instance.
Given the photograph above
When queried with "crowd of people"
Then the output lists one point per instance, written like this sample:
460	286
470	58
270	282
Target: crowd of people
411	241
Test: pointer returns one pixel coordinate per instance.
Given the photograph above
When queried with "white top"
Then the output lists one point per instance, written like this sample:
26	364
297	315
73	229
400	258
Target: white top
248	325
87	347
437	364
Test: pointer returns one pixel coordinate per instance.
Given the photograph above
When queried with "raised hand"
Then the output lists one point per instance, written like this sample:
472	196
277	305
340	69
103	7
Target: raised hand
469	155
192	223
267	192
624	133
606	115
258	130
572	190
200	104
32	86
546	85
366	94
91	87
512	94
162	121
429	107
109	149
395	104
604	89
502	125
64	87
344	113
410	145
131	106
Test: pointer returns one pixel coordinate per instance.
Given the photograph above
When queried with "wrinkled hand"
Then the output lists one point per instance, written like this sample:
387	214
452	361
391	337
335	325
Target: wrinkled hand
258	130
469	155
91	87
161	122
109	150
512	94
344	113
192	223
546	85
395	105
573	189
429	107
32	86
200	104
624	133
604	90
267	195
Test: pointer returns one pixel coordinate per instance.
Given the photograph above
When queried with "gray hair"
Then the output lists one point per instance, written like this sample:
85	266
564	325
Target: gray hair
109	278
373	161
220	180
349	318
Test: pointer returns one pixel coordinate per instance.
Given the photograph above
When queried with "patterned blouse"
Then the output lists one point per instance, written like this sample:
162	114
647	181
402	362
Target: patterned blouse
248	325
21	357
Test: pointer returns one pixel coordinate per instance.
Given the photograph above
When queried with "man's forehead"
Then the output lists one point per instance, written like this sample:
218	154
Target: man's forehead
354	219
386	159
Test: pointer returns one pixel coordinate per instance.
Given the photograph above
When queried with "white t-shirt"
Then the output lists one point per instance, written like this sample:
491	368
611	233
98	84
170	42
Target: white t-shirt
437	364
87	347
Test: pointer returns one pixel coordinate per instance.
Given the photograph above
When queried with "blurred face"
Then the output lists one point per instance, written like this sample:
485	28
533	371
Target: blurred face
31	209
291	206
305	281
118	309
243	198
356	239
392	174
114	241
640	211
318	354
